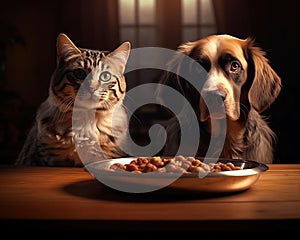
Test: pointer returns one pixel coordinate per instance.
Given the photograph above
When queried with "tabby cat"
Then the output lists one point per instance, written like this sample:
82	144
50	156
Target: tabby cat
96	80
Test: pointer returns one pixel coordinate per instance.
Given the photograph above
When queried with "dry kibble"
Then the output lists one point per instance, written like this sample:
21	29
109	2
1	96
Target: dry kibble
141	160
131	167
157	161
190	159
150	167
174	168
196	162
224	167
178	164
118	166
171	167
230	165
186	165
195	169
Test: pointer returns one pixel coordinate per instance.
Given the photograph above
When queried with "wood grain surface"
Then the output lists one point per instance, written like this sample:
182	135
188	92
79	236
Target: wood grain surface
57	197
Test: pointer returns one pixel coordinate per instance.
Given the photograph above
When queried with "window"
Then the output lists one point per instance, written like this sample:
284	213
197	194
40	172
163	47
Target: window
139	21
198	19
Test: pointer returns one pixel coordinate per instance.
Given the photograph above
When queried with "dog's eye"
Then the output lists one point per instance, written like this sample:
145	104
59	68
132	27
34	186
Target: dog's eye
235	66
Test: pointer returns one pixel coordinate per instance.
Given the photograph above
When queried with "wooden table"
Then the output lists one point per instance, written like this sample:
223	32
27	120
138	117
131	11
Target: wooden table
70	199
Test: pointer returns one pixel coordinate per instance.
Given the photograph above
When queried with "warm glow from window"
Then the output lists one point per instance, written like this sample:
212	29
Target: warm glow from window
127	11
137	22
207	12
189	11
198	19
147	12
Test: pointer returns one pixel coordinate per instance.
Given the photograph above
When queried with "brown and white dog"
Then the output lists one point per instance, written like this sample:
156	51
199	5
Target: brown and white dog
238	79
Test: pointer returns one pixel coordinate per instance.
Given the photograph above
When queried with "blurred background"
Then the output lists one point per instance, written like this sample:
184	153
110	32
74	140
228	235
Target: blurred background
28	32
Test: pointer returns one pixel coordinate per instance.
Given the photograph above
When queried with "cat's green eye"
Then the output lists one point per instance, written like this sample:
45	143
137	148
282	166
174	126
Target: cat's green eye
79	73
105	76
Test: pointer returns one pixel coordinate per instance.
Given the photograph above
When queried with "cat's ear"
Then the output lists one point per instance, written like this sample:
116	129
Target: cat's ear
120	55
65	48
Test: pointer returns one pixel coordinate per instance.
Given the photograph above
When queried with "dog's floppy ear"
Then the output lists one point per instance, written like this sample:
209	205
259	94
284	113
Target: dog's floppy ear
266	83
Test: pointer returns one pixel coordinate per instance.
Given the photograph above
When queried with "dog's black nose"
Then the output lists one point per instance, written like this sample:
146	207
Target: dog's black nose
214	97
214	101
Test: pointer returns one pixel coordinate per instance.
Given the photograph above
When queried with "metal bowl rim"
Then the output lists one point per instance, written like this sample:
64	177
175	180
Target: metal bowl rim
101	167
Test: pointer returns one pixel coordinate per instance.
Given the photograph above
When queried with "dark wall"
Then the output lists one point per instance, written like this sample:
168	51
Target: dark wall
94	24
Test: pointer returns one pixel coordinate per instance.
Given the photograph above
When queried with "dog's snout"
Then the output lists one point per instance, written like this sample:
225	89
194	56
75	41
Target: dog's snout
214	97
214	102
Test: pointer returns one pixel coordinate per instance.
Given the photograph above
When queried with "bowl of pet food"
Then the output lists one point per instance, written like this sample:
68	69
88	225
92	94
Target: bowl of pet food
178	173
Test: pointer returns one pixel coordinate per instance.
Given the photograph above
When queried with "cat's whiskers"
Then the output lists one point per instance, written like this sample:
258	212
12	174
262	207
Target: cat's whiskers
59	116
67	104
108	105
65	109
